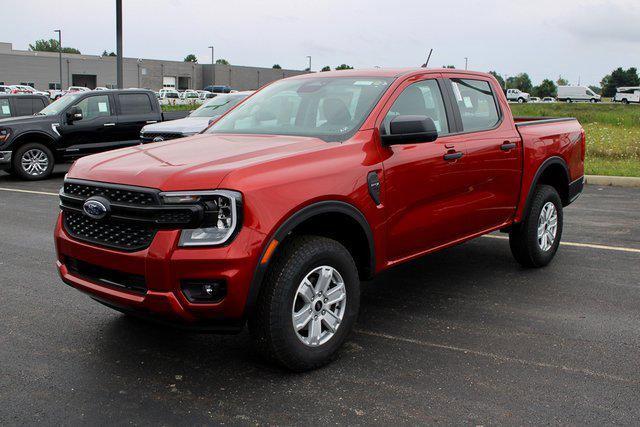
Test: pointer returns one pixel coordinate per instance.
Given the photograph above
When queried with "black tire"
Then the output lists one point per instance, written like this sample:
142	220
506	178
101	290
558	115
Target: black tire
593	100
523	238
569	100
625	101
21	172
271	324
521	100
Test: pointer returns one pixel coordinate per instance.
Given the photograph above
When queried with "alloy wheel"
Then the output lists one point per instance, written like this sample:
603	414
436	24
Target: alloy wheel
34	162
547	226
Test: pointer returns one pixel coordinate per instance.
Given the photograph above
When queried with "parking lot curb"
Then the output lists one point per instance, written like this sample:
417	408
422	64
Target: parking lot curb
613	181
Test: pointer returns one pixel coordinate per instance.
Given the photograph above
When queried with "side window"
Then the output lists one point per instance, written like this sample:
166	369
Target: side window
95	106
477	104
420	99
38	104
134	103
22	106
5	108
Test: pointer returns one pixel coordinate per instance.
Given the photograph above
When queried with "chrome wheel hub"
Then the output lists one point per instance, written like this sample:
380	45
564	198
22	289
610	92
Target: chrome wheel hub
319	306
547	226
34	162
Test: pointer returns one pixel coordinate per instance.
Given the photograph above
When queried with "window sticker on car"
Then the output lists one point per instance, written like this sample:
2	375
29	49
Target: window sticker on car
5	109
467	102
456	91
102	107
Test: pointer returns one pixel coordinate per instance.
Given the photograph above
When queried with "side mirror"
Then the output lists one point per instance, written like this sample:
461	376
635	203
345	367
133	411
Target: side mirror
74	114
410	129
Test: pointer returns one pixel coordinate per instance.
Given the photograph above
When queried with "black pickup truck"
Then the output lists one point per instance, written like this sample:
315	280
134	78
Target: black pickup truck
75	125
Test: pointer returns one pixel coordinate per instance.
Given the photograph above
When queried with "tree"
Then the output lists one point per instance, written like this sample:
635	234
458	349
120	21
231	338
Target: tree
51	45
190	58
618	78
344	67
222	61
276	67
498	78
522	81
105	53
596	89
326	68
546	88
562	82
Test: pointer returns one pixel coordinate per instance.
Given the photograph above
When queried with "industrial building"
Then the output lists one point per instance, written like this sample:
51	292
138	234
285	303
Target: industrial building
42	71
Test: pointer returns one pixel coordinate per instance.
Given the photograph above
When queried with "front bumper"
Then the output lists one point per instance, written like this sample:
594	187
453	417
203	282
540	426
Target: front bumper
5	159
164	266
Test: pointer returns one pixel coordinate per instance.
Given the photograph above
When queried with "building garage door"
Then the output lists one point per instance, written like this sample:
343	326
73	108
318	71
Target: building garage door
169	82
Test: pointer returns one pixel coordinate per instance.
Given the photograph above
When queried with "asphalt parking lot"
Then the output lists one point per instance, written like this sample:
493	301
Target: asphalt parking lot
463	336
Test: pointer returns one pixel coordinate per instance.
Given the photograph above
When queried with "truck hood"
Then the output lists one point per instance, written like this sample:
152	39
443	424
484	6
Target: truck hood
25	120
199	162
186	125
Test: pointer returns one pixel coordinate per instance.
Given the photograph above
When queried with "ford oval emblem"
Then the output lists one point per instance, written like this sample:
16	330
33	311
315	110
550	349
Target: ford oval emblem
158	139
96	208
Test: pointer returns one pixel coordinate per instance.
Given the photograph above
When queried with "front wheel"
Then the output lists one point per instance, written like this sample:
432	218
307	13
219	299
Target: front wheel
520	100
535	240
32	162
593	100
308	303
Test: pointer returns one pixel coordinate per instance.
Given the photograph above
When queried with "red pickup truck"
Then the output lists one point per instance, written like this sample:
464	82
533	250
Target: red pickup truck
274	214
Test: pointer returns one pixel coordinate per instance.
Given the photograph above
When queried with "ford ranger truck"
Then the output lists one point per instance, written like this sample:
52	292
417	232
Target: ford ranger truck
274	215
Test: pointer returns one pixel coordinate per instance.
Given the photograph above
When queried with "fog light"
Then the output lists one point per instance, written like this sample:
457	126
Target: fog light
204	290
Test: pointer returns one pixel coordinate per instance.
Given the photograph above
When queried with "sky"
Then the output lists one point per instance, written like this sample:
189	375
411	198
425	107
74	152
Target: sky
580	40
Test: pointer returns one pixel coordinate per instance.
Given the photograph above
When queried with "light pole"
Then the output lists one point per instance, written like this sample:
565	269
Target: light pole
213	67
119	68
466	62
308	56
59	54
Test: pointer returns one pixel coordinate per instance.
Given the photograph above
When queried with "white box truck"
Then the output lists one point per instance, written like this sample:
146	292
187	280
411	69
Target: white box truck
627	94
577	94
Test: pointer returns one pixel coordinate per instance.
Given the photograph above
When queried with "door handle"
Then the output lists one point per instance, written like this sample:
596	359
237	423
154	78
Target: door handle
453	156
508	145
109	124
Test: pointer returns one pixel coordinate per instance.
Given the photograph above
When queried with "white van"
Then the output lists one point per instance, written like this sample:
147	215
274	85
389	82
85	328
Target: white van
577	94
517	95
627	94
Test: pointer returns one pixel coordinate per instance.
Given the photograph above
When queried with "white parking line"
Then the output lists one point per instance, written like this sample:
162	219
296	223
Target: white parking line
500	358
490	236
16	190
579	245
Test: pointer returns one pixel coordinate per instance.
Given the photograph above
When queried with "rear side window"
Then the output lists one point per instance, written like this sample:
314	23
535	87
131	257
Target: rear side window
5	108
22	106
37	105
477	104
420	99
134	103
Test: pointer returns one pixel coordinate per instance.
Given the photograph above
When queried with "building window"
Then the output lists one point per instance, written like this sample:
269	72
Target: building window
54	86
112	86
32	84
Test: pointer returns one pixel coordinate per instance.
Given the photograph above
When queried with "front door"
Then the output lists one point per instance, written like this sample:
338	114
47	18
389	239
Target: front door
424	183
95	132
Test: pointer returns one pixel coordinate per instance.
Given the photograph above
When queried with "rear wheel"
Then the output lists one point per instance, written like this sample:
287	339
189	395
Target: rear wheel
308	303
569	100
535	240
32	161
625	101
520	100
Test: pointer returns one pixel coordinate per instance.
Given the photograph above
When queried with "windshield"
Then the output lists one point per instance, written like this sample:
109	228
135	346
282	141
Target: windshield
58	106
217	106
330	108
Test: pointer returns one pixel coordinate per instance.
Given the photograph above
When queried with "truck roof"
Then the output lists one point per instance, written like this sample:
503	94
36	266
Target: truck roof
386	72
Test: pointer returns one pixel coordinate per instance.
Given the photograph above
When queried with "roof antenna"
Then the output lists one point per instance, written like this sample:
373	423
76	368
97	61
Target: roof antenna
428	58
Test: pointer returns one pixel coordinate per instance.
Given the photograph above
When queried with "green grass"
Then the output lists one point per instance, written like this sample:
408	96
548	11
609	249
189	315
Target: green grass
613	133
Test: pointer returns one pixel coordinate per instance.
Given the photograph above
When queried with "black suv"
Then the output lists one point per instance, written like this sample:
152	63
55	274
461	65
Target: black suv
75	125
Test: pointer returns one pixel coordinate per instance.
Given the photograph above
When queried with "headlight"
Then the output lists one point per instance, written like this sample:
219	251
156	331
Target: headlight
4	134
223	209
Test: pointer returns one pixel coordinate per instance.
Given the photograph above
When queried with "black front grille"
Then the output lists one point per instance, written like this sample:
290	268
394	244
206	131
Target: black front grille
150	136
134	214
113	233
113	193
104	276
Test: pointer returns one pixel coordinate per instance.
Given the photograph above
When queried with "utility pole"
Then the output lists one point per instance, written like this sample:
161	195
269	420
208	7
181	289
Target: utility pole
213	67
119	65
309	62
59	54
466	63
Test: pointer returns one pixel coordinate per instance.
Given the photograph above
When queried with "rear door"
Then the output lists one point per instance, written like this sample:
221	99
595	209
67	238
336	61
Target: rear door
424	182
493	158
135	110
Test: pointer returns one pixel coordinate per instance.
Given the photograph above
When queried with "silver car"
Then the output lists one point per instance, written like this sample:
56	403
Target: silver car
195	122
